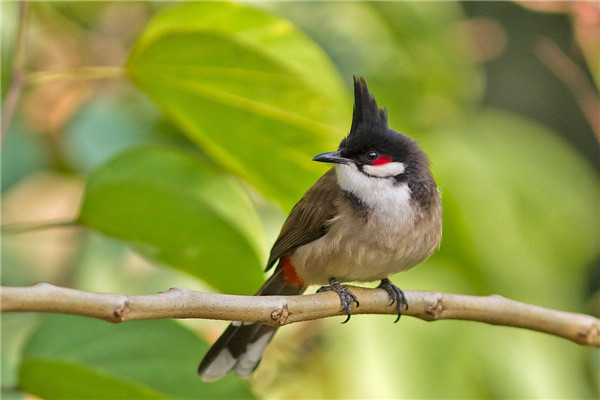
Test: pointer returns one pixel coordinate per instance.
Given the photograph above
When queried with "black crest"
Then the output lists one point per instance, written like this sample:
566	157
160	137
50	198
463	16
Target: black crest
367	113
370	132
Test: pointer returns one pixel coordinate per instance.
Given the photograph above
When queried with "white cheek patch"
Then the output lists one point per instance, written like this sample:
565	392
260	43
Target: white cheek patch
384	170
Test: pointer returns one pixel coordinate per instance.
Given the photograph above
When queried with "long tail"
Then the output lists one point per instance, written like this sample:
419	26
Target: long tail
242	344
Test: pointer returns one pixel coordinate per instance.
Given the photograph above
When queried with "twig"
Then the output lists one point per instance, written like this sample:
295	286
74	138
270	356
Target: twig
16	85
283	310
574	78
79	73
26	228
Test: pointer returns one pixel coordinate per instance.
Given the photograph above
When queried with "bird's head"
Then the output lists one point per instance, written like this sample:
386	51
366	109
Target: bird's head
372	148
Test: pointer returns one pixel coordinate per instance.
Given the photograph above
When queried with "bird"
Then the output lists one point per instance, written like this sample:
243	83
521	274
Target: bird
376	212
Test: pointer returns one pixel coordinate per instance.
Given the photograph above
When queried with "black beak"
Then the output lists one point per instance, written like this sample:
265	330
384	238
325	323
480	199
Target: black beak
332	157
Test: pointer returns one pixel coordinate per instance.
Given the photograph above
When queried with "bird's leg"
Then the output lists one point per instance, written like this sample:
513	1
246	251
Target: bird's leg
346	296
396	295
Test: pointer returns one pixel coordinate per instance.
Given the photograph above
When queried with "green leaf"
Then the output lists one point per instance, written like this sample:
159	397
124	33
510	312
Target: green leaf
22	154
519	206
250	89
108	125
73	357
181	211
411	53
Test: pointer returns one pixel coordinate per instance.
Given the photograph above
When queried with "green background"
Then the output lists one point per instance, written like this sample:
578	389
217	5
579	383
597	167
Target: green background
180	171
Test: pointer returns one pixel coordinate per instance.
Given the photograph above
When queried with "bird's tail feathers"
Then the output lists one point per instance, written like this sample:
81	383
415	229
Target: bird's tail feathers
242	345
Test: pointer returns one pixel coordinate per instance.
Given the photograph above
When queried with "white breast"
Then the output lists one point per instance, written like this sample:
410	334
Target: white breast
387	198
358	249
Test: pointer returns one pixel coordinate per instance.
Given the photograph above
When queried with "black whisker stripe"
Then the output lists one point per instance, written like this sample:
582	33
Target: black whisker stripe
360	207
234	343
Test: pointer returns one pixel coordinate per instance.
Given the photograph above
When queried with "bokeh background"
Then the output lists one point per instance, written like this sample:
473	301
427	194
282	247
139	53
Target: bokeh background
161	144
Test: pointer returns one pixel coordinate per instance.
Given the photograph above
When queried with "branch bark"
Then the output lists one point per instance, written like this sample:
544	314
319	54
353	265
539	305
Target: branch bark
282	310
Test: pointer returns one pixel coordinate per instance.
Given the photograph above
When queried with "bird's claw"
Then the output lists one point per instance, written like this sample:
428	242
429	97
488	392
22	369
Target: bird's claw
346	296
396	295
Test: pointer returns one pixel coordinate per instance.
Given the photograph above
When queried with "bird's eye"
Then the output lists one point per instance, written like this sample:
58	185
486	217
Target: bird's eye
372	156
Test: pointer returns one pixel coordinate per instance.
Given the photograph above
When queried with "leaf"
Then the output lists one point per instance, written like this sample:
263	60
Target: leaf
15	330
181	211
520	220
411	53
22	154
73	357
249	88
516	197
108	125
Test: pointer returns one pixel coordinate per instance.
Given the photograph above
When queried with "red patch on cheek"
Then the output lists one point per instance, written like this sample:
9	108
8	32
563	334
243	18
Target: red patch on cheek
382	160
290	276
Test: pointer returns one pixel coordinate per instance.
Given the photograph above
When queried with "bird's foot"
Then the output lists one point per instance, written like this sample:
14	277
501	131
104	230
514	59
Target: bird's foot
346	296
396	295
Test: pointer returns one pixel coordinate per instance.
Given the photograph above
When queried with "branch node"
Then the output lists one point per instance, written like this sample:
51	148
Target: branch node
43	285
280	315
120	312
275	311
435	309
589	333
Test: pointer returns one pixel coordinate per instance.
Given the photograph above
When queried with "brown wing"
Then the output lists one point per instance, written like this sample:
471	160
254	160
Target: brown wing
308	219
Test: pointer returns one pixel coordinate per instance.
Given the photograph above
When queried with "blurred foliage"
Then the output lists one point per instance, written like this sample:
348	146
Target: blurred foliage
509	263
178	174
96	132
412	55
22	154
538	94
147	359
180	211
241	82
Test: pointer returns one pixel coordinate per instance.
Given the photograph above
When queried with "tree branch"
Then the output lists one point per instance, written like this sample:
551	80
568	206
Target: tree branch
574	78
283	310
18	70
79	73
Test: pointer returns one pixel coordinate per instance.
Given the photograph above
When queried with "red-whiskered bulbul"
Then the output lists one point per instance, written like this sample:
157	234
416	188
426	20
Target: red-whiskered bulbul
375	213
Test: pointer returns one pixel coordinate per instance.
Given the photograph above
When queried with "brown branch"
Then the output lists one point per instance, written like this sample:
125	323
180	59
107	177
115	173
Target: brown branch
18	72
282	310
78	73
